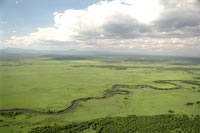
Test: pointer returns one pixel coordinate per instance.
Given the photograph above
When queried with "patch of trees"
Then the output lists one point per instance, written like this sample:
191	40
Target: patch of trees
113	66
171	111
192	82
111	61
130	124
104	66
197	78
191	103
69	58
163	82
183	69
11	114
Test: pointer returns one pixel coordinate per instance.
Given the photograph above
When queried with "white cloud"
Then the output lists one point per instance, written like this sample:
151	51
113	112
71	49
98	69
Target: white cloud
73	23
3	22
18	1
131	24
13	31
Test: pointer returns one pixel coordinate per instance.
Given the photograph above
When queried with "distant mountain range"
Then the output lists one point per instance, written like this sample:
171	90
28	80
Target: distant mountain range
20	51
74	52
40	52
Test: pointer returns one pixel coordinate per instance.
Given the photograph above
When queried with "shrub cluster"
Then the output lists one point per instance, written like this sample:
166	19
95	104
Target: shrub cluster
130	124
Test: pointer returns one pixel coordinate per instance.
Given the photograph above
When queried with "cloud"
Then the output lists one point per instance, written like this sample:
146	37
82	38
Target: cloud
18	1
151	26
3	22
175	19
180	19
13	31
117	27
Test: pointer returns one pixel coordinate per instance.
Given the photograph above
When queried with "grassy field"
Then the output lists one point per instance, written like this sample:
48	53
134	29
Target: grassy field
51	84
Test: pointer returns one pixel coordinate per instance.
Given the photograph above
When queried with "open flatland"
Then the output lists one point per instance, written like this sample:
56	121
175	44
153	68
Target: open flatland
105	87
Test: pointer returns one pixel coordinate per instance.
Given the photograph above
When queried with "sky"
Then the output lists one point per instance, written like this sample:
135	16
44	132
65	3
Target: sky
159	27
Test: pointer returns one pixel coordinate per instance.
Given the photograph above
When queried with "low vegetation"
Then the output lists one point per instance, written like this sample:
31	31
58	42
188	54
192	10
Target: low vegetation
147	88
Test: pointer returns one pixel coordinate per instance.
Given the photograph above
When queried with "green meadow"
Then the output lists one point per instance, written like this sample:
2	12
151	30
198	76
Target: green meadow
155	86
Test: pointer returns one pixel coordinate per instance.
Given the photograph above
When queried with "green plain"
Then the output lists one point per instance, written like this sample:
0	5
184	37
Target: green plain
45	84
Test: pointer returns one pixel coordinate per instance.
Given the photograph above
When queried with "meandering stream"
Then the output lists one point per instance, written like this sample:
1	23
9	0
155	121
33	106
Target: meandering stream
109	94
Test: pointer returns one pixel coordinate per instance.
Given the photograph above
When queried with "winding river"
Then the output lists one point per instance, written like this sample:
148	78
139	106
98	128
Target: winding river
115	90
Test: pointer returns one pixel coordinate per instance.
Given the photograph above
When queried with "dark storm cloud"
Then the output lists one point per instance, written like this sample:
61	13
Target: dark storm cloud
118	26
125	27
178	19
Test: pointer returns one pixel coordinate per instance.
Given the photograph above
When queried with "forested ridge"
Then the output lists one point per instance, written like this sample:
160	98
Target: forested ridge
130	124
